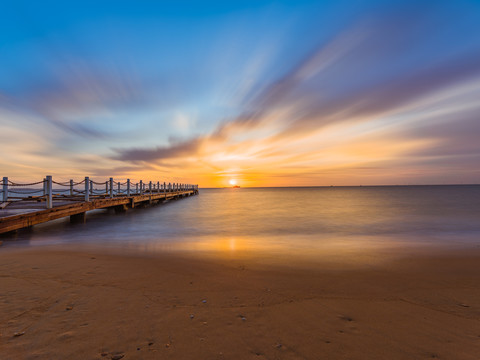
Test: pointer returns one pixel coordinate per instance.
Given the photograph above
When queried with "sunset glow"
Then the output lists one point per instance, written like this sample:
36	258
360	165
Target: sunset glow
279	94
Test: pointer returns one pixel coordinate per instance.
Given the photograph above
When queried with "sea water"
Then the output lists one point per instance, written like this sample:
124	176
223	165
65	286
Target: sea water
281	219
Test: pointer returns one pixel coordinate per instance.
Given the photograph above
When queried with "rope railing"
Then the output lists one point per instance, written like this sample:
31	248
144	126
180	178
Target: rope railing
24	185
61	184
69	189
24	192
68	183
61	191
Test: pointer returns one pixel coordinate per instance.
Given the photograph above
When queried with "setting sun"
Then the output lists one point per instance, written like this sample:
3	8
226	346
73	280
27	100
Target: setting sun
233	182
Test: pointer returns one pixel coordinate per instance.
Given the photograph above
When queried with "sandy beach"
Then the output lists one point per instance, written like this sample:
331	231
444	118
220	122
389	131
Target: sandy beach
58	303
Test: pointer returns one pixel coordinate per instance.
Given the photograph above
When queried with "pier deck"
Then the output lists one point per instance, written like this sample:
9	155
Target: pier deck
25	211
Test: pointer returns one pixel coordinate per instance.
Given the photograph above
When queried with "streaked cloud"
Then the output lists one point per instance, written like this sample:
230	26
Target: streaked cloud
174	150
389	96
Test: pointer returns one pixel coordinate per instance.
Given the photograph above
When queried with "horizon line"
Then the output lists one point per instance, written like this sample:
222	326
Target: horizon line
327	186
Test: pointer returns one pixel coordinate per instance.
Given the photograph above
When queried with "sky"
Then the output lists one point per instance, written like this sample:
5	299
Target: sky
265	93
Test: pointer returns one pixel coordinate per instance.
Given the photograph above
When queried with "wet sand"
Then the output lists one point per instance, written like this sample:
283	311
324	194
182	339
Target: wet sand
58	303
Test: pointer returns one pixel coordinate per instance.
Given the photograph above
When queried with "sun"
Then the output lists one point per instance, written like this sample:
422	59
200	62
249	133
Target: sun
233	182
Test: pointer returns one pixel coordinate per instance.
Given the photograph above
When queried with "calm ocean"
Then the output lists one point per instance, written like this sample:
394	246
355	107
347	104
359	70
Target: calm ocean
283	219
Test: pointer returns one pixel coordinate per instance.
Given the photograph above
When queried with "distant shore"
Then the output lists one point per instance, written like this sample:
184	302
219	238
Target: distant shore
59	302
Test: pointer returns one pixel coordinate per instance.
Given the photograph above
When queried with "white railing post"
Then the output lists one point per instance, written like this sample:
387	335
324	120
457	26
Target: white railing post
118	191
71	187
87	189
128	187
5	188
111	188
150	187
49	192
164	186
158	186
91	187
136	188
141	187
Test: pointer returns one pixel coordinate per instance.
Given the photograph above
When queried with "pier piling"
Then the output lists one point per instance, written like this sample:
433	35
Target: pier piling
49	192
5	189
87	186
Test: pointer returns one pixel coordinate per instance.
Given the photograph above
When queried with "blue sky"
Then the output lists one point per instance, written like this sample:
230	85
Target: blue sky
268	93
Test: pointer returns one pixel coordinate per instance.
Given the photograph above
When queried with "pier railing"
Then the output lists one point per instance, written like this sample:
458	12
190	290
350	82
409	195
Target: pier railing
85	190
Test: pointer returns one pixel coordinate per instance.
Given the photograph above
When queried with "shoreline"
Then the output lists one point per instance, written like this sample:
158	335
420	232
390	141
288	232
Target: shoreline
90	303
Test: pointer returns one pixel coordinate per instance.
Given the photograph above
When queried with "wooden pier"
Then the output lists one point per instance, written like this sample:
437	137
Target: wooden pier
25	205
